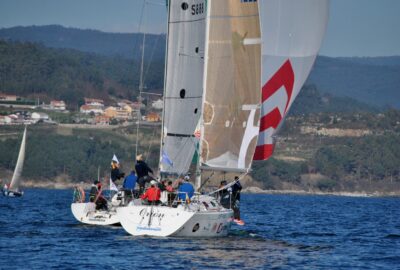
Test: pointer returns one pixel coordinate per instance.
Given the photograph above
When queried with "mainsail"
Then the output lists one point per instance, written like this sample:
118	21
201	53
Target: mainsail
15	182
231	81
292	32
183	84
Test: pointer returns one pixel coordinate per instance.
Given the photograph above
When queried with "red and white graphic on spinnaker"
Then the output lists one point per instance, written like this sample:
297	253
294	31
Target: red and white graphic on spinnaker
276	95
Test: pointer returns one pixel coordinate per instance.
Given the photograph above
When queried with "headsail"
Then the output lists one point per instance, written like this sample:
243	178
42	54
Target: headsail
232	83
15	182
292	32
183	83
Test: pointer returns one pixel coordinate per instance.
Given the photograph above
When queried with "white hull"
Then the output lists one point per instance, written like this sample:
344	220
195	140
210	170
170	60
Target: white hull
193	220
87	214
11	193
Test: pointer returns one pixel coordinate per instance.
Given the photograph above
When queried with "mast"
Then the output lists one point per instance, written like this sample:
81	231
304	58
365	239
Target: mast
165	84
140	79
197	184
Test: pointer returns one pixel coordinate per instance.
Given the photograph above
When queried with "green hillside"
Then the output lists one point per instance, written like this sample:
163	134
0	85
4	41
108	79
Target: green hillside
34	71
91	41
371	80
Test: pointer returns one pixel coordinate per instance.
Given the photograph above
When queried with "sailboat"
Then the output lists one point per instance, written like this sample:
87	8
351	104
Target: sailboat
14	189
86	212
216	109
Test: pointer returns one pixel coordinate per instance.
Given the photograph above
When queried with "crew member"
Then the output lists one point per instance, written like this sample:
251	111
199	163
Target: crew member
142	170
116	174
129	184
185	189
153	194
96	196
236	188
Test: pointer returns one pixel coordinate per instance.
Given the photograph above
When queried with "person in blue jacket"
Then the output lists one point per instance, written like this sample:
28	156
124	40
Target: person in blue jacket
129	184
185	189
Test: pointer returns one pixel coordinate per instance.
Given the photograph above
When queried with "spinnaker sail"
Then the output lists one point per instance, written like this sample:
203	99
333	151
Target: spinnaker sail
292	33
231	85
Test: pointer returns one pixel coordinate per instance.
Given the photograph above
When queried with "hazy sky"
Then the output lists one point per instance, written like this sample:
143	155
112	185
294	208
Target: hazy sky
356	27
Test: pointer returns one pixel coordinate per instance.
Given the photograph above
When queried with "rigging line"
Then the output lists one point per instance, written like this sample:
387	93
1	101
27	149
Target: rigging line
227	185
154	45
191	55
150	145
185	97
155	3
151	57
205	182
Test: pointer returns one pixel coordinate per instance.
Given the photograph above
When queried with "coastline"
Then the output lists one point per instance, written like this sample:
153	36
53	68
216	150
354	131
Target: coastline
247	190
256	190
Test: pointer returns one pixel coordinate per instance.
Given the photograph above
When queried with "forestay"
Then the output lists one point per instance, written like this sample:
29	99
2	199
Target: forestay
15	182
232	85
183	84
292	33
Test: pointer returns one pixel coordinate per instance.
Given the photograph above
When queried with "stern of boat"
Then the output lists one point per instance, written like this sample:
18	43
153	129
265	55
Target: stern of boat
87	214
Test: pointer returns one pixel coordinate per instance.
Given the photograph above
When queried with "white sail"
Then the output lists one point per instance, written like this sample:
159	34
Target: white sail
183	84
292	33
16	179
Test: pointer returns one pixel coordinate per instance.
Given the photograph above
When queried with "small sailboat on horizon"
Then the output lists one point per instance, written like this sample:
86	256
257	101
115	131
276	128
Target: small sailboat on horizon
14	188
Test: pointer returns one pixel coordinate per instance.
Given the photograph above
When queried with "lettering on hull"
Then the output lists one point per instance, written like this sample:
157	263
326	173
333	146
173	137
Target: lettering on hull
140	228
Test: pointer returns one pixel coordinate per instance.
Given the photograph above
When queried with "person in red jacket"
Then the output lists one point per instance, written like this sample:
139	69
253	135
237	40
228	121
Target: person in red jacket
153	194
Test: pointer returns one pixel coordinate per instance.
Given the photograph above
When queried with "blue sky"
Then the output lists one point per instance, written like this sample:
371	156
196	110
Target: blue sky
356	27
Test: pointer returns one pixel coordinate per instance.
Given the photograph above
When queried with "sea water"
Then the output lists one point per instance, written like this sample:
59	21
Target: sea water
38	231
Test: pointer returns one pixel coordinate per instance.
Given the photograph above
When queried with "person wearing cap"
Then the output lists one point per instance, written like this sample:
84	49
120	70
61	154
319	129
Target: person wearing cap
153	194
142	171
185	189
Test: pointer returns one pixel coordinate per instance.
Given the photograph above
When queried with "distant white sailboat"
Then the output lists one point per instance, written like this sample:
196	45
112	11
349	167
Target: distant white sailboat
14	188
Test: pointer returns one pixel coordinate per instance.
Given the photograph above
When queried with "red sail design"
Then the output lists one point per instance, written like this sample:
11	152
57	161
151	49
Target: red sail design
271	119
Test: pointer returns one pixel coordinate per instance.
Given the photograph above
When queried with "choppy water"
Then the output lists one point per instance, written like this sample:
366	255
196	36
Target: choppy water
38	231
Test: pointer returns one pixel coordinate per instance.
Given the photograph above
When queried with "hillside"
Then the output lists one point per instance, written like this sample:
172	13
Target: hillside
93	41
375	81
335	152
328	152
35	71
371	80
310	100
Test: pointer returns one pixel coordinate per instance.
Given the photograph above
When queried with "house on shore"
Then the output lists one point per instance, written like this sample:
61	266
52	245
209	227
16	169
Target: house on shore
57	105
87	109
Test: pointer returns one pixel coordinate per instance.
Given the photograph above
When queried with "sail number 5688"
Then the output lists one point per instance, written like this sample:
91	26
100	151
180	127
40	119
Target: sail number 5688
197	9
